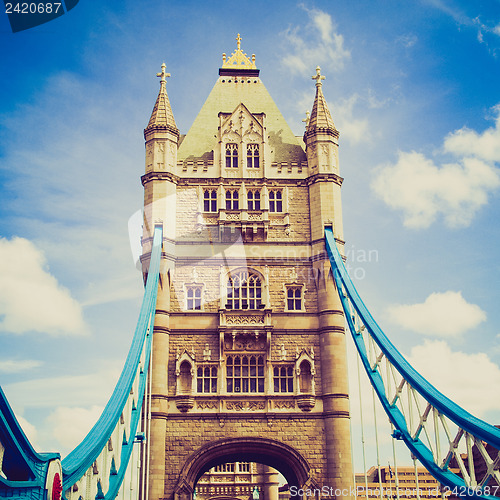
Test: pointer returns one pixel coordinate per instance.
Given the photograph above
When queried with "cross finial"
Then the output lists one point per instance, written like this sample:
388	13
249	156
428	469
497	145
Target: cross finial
318	77
163	76
238	41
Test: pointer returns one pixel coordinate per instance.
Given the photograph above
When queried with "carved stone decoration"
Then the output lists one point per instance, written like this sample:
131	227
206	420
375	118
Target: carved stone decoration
207	405
244	320
306	402
184	402
288	404
245	405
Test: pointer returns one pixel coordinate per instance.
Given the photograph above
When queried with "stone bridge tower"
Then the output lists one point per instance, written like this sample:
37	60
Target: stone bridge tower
249	360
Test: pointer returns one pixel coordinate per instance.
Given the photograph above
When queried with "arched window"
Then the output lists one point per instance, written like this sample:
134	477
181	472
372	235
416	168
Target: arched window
193	298
232	199
252	156
244	291
210	200
253	199
294	298
231	155
245	374
275	200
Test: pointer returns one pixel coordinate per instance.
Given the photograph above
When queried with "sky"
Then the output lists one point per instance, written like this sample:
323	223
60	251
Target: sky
413	88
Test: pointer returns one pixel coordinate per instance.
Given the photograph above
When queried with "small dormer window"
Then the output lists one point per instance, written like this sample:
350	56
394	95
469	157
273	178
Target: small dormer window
252	156
231	155
253	200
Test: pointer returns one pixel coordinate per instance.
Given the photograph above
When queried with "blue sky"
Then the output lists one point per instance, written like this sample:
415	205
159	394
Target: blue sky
413	88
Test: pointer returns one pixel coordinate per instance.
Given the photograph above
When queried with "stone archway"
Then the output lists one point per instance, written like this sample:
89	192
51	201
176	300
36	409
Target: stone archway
280	456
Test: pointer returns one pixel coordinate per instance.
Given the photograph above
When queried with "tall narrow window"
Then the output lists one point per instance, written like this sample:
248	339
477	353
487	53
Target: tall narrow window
252	156
283	379
253	199
245	373
193	298
244	291
232	202
231	155
210	200
206	379
294	298
276	200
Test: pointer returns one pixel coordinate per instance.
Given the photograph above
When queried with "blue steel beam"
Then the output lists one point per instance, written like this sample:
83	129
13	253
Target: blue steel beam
464	420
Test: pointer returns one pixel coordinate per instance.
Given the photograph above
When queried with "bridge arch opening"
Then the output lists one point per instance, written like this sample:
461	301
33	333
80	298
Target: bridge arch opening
285	459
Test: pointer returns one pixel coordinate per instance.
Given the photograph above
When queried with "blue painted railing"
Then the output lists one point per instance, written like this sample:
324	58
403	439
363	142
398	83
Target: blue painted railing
367	334
100	461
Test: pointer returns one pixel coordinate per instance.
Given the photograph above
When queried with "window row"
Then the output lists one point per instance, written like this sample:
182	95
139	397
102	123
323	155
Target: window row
233	200
244	291
232	156
246	374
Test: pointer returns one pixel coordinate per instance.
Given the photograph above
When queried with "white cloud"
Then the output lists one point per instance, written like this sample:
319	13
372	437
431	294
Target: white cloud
17	366
467	142
423	189
352	129
317	43
445	314
30	431
70	425
31	299
467	379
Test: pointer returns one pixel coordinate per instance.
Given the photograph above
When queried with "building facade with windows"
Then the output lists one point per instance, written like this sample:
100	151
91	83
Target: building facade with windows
249	361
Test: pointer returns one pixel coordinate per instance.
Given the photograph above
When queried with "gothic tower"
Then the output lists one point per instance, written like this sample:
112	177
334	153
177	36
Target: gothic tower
249	361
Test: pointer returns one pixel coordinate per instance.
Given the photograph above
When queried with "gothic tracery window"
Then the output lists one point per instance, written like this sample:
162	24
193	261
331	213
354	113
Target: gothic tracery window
244	291
232	199
231	155
276	200
252	156
245	373
210	200
253	200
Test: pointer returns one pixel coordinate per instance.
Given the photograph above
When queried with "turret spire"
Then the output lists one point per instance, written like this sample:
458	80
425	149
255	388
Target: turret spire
321	119
162	115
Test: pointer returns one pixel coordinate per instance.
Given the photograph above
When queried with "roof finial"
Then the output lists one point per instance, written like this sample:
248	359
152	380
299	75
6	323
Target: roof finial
163	76
318	77
238	42
307	118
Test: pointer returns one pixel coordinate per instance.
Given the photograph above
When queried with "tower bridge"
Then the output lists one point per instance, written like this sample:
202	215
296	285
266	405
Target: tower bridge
239	355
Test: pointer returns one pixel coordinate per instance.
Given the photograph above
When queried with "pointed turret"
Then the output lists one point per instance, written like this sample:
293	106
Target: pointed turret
320	119
161	134
162	115
321	136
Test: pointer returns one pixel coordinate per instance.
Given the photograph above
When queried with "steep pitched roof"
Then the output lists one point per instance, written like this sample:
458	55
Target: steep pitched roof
226	95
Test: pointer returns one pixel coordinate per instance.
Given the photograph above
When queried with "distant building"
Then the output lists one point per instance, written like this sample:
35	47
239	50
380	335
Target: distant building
408	484
238	481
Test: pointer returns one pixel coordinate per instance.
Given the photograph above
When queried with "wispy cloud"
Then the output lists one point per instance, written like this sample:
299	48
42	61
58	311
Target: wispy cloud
18	365
422	188
316	43
31	299
445	314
